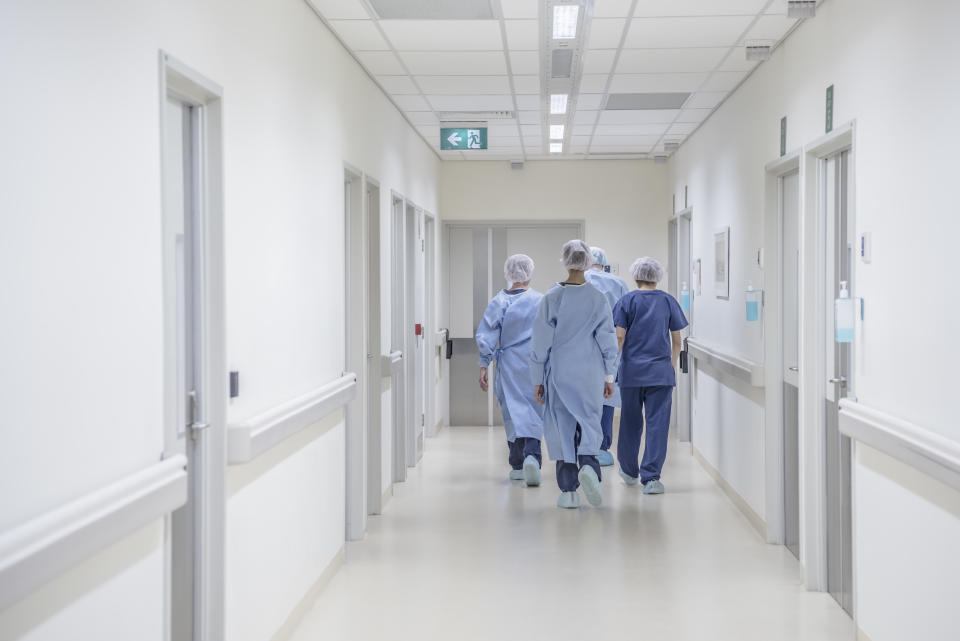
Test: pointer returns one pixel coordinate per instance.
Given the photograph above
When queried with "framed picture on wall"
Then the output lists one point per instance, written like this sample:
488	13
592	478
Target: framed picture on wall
697	278
721	269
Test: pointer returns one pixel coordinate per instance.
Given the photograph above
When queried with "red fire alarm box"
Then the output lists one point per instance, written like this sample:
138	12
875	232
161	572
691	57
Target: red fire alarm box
418	329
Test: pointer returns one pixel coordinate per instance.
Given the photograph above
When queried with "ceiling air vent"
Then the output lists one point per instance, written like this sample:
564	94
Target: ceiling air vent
433	9
801	8
516	164
659	159
637	101
671	147
474	116
561	63
759	51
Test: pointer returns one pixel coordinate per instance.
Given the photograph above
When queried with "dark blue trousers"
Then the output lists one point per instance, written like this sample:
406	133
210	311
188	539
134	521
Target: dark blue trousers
567	472
521	448
657	401
606	423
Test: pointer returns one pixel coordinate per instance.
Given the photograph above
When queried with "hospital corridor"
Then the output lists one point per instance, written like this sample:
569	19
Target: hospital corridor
462	320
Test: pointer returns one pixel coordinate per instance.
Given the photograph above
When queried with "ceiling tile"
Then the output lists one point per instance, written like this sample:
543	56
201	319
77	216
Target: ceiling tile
682	128
771	27
656	82
513	9
648	129
694	115
381	63
605	33
526	84
670	60
624	141
593	83
528	102
432	9
582	130
523	35
666	33
360	35
525	62
589	101
638	117
397	84
411	103
421	118
585	117
599	61
530	131
724	80
443	35
699	8
471	103
340	9
451	85
432	134
456	63
611	8
579	141
705	99
502	128
529	117
637	149
737	61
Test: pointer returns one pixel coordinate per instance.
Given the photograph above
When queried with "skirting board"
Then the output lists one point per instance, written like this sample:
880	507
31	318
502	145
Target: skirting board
387	495
306	603
861	635
755	520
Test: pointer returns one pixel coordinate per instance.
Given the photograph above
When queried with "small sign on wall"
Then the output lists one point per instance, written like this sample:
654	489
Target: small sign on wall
783	136
829	123
721	269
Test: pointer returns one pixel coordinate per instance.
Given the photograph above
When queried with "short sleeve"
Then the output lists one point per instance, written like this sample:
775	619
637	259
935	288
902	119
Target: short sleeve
620	316
677	319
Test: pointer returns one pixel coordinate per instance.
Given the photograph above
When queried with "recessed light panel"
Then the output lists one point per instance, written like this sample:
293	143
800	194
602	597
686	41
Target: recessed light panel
558	103
565	21
433	9
556	147
640	101
556	132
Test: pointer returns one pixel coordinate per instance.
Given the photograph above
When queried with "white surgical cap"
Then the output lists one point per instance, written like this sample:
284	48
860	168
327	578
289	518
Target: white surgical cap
599	256
518	269
576	255
647	269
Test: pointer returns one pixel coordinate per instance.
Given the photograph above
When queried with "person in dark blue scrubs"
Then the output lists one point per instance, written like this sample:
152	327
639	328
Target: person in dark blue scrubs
648	322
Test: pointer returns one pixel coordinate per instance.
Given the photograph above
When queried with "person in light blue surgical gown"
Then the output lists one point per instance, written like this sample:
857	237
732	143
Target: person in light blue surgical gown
613	288
504	336
573	358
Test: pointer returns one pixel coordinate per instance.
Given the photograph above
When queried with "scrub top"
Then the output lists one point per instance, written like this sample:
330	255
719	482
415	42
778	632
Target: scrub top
613	289
648	315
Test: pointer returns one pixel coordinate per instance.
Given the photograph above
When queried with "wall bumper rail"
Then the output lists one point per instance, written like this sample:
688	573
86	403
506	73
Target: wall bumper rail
47	546
929	452
743	368
250	438
391	363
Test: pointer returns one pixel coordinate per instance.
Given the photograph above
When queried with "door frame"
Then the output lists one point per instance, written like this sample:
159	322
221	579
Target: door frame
373	407
209	478
411	238
397	323
430	226
812	339
773	343
680	274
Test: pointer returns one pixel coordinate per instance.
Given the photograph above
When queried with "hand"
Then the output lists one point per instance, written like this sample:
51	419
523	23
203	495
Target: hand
539	394
484	381
607	389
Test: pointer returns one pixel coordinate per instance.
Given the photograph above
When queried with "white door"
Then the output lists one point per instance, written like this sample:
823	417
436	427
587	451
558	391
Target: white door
412	350
398	320
374	395
790	310
683	276
355	355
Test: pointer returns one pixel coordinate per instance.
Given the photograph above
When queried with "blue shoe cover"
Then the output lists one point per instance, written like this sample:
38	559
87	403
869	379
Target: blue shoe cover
629	480
605	458
590	485
653	487
516	475
568	500
531	471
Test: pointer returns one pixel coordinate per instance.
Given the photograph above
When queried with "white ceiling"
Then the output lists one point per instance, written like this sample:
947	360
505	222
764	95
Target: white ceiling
628	46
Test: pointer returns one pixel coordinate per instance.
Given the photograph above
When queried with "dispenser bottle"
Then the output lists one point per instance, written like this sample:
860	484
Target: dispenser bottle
843	316
685	298
753	303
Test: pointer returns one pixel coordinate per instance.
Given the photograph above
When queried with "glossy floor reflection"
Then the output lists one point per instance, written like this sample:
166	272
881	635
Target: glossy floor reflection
463	553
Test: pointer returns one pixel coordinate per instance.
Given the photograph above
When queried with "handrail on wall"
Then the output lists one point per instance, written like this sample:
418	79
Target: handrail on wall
929	452
390	363
47	546
250	438
743	368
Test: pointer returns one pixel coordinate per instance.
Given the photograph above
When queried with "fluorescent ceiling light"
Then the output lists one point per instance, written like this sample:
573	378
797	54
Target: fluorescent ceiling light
556	132
556	147
558	103
565	21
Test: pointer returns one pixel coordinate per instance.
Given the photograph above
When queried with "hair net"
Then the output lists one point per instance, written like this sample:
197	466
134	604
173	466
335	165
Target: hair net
576	255
647	269
599	256
518	269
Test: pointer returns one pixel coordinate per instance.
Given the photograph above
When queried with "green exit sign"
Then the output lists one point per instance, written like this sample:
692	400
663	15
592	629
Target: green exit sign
463	138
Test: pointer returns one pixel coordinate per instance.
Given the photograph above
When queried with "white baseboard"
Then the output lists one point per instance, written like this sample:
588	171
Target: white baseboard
755	519
861	635
387	495
306	603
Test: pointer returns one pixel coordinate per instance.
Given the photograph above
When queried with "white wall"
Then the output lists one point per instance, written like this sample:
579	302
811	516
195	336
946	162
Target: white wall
623	202
80	268
891	65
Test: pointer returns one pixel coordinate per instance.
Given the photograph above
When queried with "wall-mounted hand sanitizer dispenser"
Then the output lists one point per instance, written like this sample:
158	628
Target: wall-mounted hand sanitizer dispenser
685	298
753	303
843	315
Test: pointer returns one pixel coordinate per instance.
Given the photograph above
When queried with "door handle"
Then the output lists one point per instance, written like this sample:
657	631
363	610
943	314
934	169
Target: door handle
839	380
794	369
196	428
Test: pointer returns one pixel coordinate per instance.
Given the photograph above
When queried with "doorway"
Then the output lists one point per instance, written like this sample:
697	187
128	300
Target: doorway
431	353
789	213
413	334
355	352
194	351
680	270
374	394
398	323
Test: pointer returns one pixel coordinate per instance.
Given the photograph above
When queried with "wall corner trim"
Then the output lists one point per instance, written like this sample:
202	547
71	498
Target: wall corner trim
248	439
